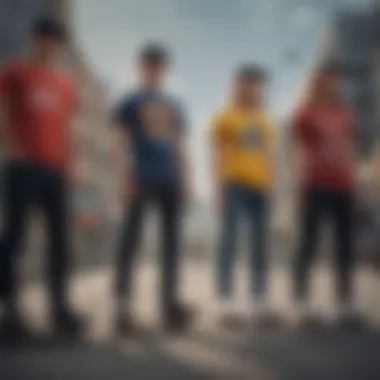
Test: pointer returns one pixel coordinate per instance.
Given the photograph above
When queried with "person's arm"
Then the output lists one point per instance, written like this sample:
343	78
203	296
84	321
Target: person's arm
8	81
4	122
218	152
181	142
353	131
74	166
271	154
3	109
299	157
271	147
376	168
299	160
122	158
186	175
122	151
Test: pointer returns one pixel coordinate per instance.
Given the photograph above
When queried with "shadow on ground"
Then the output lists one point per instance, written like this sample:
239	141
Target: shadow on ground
256	356
63	361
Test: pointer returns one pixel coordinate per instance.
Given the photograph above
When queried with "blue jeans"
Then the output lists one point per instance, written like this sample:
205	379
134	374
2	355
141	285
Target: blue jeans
239	202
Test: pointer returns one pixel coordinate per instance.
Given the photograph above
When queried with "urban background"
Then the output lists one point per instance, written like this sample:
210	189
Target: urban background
352	35
348	30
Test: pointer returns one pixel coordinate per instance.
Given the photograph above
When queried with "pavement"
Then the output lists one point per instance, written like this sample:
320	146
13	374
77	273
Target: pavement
205	352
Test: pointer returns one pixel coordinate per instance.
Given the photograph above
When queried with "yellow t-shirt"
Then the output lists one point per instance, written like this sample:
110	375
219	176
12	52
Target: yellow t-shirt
246	140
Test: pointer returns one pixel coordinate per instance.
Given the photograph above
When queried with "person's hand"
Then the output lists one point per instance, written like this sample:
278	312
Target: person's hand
272	203
187	194
75	176
128	191
75	179
220	199
300	200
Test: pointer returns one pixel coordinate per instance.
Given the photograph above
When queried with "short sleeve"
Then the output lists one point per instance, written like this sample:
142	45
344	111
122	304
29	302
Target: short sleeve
219	133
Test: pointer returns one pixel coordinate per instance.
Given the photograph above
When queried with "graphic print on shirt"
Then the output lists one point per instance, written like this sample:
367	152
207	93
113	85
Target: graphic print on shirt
43	98
250	137
158	120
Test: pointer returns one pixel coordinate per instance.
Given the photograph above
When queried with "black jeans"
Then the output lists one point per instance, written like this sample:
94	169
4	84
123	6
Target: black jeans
168	200
338	206
27	185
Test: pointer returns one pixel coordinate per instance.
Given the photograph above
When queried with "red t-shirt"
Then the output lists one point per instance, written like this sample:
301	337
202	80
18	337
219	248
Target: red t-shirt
327	135
41	103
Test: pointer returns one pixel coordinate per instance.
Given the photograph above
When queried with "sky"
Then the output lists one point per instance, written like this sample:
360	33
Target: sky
208	39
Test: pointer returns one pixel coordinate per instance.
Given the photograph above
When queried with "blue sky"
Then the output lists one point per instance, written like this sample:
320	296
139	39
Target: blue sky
208	38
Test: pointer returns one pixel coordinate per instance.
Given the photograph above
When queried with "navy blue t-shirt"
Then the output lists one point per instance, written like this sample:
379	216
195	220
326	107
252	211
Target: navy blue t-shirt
154	122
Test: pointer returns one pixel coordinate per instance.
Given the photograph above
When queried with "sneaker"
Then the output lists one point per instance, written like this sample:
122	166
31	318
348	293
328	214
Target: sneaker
178	318
349	318
264	316
232	321
308	319
230	318
125	325
68	324
312	322
15	329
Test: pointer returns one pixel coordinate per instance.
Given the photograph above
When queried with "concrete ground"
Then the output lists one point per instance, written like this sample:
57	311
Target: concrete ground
206	352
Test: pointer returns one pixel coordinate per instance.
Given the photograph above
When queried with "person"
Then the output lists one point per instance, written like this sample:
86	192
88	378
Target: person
38	103
151	164
324	139
243	137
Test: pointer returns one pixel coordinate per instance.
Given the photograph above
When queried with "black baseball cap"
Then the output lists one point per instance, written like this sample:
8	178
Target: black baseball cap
251	72
48	26
154	53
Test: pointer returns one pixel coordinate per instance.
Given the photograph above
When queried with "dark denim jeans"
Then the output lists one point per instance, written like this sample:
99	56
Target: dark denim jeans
28	185
239	202
338	207
167	198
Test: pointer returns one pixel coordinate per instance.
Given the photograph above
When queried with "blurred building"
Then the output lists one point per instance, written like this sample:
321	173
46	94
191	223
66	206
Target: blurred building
15	16
92	132
354	40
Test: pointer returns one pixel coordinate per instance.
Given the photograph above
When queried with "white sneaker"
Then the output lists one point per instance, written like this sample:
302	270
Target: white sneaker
307	317
347	310
230	318
227	307
303	309
261	307
349	316
265	315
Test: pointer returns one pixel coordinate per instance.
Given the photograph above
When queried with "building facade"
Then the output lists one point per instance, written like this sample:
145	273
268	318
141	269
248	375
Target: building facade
353	40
